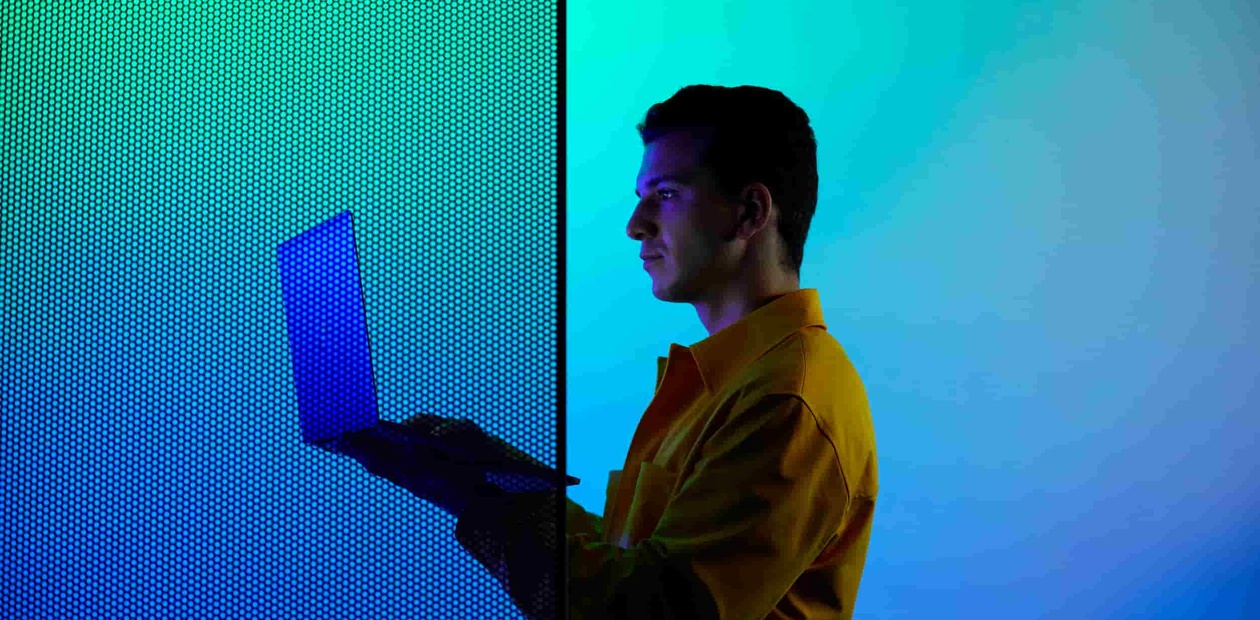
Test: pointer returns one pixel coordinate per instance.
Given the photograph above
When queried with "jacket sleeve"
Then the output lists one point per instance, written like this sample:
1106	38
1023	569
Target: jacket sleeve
765	497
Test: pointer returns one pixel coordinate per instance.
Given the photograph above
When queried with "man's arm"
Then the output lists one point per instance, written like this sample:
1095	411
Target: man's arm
764	499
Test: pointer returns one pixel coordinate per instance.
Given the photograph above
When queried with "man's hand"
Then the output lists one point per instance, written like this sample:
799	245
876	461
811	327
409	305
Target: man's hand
427	474
467	437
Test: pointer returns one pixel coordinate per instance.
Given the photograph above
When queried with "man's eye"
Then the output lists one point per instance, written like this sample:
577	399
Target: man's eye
665	191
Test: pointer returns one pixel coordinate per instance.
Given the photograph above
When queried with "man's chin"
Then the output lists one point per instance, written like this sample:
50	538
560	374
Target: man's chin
667	293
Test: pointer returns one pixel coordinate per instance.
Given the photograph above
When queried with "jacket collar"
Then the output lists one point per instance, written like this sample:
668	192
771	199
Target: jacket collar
723	354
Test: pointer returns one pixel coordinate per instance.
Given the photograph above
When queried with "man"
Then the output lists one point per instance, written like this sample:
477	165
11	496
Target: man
750	484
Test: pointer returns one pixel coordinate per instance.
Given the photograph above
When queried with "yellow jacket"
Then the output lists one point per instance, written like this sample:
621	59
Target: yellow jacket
748	490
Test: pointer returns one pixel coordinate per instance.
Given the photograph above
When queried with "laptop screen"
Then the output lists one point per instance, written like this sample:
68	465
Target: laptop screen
327	327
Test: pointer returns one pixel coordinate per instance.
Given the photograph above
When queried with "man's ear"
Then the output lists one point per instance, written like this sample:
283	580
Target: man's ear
757	195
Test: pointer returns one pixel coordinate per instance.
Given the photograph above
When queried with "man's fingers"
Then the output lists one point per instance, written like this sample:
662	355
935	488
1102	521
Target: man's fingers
424	422
467	435
471	436
459	429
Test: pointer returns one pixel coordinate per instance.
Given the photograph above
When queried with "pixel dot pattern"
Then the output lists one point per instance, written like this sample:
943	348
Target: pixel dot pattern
154	156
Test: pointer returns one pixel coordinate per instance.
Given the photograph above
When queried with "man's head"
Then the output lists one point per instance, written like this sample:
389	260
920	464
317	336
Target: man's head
738	182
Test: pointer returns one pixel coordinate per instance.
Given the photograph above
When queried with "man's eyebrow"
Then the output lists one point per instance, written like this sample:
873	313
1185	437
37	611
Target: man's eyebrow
657	180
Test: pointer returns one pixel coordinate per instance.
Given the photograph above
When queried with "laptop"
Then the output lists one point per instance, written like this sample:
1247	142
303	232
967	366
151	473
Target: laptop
332	359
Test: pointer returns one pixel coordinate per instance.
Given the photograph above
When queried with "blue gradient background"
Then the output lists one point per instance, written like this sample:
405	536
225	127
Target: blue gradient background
1035	238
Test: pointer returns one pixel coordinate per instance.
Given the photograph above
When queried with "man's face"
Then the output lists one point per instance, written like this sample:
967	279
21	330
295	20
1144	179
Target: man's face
682	217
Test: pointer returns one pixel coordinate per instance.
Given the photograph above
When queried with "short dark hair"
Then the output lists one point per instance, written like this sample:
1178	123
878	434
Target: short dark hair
754	134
